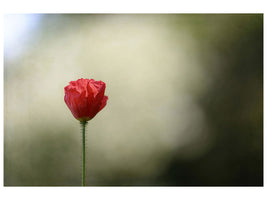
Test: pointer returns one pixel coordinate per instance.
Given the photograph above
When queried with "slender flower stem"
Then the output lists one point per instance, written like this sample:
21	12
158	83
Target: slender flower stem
83	154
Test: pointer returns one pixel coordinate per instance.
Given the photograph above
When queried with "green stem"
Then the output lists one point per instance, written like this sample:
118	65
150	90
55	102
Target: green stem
83	154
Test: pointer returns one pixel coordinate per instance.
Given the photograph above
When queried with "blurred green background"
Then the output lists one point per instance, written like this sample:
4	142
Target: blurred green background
185	101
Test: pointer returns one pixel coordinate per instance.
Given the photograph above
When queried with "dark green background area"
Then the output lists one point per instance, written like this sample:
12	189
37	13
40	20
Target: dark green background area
221	75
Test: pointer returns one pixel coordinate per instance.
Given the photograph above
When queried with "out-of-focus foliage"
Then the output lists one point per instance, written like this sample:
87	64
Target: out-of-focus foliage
185	99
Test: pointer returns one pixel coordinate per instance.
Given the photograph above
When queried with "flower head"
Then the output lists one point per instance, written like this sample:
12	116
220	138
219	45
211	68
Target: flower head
85	98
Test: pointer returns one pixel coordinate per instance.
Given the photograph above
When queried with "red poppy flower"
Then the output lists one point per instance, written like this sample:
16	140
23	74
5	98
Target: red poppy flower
85	98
